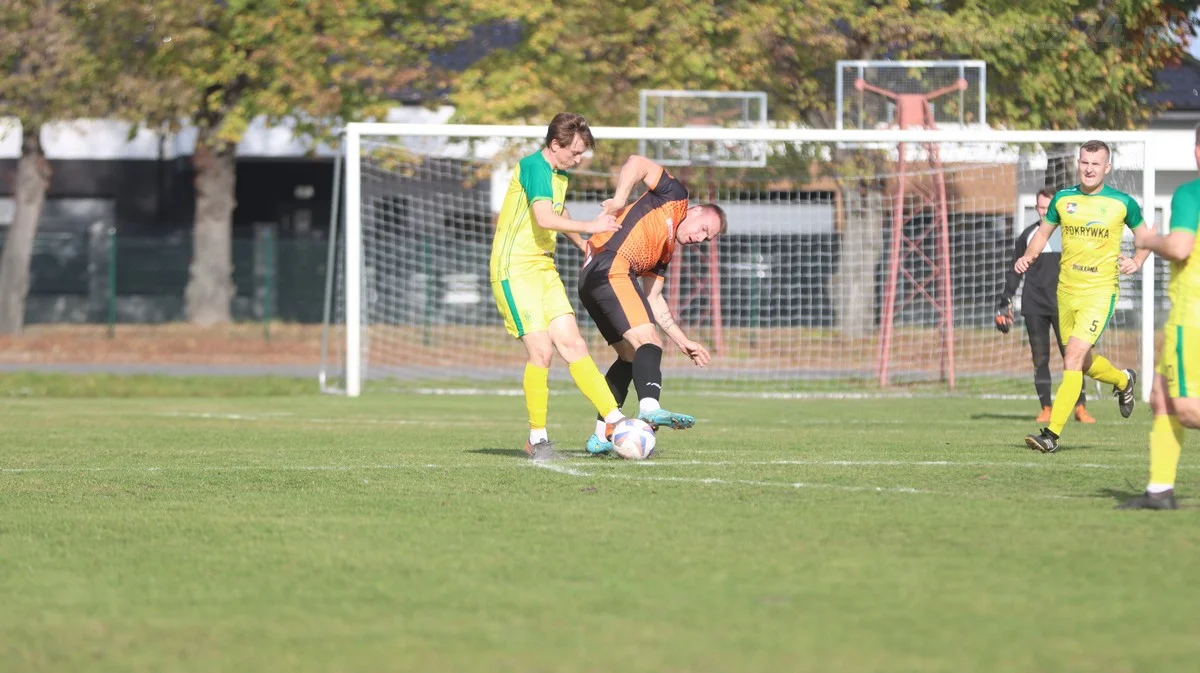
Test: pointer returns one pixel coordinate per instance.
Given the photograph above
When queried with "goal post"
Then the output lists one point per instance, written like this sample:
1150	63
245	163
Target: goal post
801	268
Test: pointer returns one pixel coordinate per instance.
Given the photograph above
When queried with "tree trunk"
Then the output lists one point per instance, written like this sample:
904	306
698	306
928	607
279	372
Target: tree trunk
33	179
853	283
210	283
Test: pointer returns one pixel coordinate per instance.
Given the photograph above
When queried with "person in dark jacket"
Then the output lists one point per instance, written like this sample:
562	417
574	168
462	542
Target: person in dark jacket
1039	307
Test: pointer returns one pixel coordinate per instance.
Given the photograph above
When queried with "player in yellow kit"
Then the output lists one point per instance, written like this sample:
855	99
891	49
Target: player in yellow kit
528	290
1175	395
1092	217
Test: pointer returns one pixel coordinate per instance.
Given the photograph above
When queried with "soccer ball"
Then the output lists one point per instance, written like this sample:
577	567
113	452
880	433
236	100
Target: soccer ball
633	439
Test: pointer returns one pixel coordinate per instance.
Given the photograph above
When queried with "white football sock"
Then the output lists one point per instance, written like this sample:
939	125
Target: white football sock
538	435
647	404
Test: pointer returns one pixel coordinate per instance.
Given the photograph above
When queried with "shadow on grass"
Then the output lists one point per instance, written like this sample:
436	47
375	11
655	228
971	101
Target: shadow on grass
518	453
1064	448
1020	445
1000	417
1119	495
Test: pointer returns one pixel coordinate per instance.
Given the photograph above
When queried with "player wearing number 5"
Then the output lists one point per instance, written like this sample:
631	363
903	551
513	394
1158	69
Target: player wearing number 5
1039	307
1092	216
529	292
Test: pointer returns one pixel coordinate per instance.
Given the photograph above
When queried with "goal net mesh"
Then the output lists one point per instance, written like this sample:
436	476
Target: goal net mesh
791	299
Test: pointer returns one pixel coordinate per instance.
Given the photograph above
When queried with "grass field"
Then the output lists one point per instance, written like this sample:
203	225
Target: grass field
162	526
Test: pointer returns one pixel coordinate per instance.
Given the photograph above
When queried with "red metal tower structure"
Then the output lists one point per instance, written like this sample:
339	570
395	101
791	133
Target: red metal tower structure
930	246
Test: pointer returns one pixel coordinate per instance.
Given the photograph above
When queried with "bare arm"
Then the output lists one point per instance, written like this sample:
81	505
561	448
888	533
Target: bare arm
653	287
1140	256
1035	247
575	239
546	218
1143	235
1175	246
636	169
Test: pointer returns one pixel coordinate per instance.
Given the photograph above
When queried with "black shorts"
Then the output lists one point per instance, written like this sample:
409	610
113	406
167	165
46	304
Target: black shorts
616	303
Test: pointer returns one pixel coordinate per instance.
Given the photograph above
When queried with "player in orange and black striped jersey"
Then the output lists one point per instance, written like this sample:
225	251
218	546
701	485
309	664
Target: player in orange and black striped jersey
622	281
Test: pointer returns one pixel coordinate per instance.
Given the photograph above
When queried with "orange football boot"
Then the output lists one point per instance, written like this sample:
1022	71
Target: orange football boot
1082	415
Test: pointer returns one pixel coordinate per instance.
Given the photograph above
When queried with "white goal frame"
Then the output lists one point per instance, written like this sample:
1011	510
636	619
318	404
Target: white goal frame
354	133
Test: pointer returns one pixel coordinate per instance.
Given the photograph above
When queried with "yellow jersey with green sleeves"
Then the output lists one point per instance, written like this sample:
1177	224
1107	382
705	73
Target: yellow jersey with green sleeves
1091	226
520	245
1184	287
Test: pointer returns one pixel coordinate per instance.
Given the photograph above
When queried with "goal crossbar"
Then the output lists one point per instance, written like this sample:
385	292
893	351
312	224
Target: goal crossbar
355	132
359	129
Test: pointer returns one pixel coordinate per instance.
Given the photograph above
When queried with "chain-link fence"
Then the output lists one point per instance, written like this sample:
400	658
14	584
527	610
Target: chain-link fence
100	276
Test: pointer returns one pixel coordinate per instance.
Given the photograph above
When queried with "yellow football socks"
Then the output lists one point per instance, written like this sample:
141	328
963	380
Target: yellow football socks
537	395
593	385
1065	399
1103	371
1166	442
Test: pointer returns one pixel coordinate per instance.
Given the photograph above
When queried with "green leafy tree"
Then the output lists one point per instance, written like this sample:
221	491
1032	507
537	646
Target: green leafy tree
1051	64
48	72
313	65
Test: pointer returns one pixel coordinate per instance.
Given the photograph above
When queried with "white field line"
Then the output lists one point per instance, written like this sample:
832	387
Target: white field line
881	463
245	468
262	416
563	469
349	420
559	468
830	395
566	466
290	418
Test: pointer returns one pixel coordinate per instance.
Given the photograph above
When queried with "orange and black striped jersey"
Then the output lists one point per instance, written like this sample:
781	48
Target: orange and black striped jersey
646	241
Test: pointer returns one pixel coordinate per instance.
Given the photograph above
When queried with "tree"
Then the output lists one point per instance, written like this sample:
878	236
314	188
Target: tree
47	72
313	65
1051	64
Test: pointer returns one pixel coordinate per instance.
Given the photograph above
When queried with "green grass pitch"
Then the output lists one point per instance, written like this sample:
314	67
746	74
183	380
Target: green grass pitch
162	526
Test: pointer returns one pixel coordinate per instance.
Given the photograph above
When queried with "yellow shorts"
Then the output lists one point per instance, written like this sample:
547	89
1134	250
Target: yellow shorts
528	302
1084	317
1179	360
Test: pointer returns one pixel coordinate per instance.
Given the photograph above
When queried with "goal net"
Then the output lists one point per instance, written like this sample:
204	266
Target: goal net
844	269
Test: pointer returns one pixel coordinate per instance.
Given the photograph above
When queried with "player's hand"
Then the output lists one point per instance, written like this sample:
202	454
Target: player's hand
1022	263
603	223
698	354
1127	265
610	206
1004	319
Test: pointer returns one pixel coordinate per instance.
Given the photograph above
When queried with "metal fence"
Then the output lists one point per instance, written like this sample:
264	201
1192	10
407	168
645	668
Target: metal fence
100	276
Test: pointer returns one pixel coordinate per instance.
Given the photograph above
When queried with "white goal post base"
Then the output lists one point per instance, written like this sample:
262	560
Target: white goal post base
790	299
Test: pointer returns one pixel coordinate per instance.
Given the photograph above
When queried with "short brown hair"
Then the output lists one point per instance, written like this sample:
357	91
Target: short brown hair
565	126
1096	146
1046	192
720	215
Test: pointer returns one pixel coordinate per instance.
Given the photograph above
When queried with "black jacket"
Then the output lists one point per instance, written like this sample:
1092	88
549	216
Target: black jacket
1039	296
